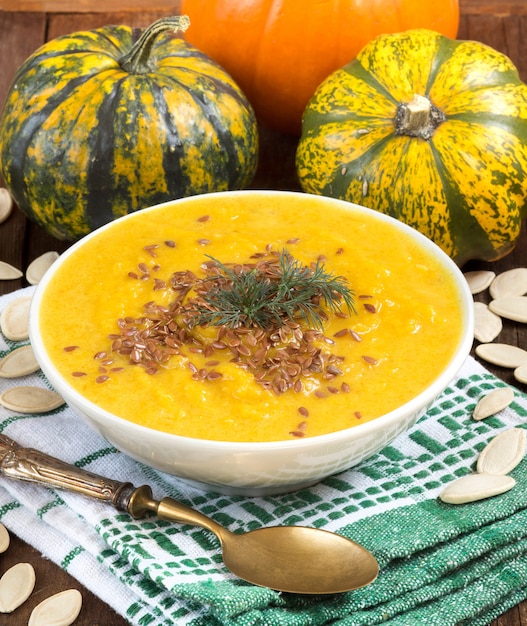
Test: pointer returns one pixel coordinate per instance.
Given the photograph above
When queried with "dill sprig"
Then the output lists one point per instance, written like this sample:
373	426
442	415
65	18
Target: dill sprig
268	294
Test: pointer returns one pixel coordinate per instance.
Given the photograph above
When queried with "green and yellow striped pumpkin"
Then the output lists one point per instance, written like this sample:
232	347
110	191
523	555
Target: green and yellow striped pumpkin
101	123
430	130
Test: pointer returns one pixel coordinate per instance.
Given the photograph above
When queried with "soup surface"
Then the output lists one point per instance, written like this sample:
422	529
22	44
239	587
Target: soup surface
109	322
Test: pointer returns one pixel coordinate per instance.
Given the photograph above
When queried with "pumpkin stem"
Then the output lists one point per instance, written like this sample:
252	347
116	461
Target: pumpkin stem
418	118
137	60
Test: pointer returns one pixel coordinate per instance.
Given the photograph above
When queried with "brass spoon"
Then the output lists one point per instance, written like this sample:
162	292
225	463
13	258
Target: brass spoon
295	559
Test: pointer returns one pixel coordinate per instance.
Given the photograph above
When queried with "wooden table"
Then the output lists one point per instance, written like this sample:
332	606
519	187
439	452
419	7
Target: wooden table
25	24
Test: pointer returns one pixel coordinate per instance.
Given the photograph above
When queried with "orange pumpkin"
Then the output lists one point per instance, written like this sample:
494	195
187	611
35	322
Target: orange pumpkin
279	51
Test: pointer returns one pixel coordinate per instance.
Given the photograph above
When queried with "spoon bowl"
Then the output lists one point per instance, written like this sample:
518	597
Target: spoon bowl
295	559
299	559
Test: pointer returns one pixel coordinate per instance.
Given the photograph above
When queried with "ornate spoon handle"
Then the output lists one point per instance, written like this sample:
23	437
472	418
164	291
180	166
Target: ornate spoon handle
34	466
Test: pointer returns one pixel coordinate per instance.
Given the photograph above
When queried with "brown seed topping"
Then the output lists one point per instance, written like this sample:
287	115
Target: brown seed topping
70	348
303	411
280	357
170	244
369	359
214	375
297	433
151	249
358	415
204	218
203	242
159	284
341	333
78	374
102	379
370	307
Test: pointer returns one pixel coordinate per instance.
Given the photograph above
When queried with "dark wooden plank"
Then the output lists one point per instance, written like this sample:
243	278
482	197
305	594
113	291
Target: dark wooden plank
87	6
65	23
493	7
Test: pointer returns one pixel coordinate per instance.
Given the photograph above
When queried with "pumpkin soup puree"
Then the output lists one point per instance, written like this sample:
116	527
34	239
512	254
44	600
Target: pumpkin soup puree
220	382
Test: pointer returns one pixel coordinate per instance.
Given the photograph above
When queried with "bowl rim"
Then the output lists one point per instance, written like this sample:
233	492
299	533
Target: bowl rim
412	406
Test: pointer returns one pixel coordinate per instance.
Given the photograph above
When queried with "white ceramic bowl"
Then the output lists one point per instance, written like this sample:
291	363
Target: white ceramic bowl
258	468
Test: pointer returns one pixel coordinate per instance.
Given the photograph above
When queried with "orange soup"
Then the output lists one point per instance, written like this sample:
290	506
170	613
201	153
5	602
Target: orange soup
116	319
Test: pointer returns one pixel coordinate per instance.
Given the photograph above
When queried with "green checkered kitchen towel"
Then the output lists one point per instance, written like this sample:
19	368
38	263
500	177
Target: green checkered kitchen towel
439	563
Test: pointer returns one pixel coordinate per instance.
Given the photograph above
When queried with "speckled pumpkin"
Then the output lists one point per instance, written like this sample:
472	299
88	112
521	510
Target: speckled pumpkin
101	123
430	130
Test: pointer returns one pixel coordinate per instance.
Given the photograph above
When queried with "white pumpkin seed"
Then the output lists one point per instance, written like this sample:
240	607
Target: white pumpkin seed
14	319
30	399
61	609
39	266
487	325
479	280
473	487
502	354
16	585
510	283
9	272
501	455
4	538
511	307
6	204
20	362
493	402
520	373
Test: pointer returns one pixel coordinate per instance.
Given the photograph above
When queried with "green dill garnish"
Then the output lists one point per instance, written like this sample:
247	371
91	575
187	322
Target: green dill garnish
269	293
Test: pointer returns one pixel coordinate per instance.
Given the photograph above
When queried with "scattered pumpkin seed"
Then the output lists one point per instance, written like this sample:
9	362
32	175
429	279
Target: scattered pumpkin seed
16	585
28	399
502	354
20	362
6	204
39	266
61	609
9	272
510	283
4	538
493	403
473	487
503	453
479	280
487	325
14	319
520	373
511	307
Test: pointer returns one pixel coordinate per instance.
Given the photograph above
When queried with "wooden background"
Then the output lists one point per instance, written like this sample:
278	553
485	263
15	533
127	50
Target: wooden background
26	24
